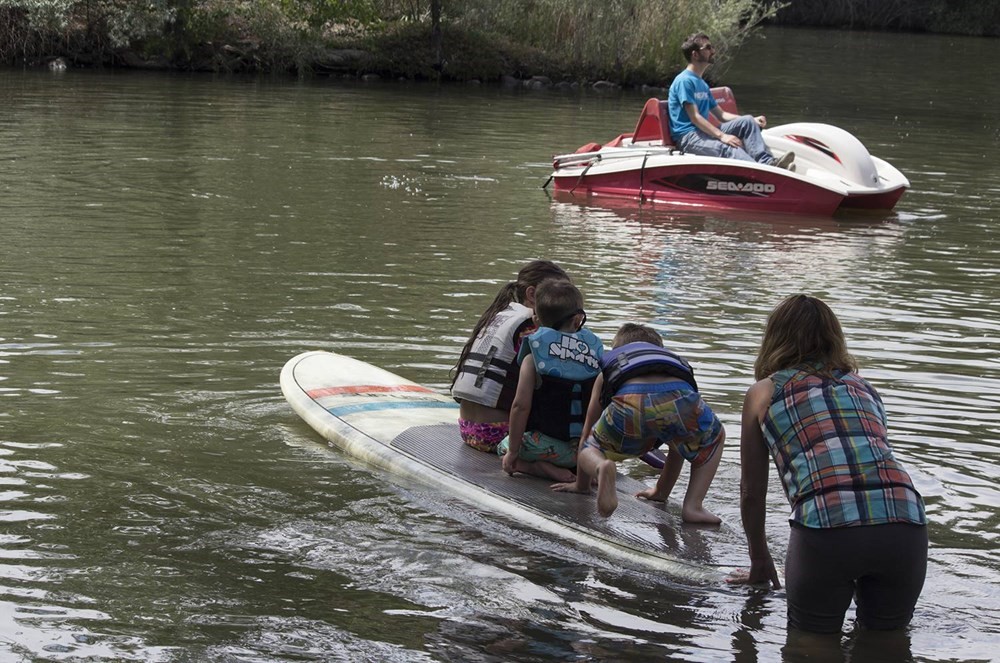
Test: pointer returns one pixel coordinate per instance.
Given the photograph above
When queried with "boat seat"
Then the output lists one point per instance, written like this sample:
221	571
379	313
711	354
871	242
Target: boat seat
727	101
654	123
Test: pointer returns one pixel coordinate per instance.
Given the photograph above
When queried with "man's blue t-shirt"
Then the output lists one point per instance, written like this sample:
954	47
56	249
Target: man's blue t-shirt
688	88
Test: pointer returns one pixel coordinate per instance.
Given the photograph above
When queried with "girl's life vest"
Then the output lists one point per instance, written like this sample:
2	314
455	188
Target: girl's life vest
636	359
567	365
489	374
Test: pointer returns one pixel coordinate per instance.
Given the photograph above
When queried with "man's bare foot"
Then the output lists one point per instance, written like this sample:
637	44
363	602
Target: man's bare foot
700	515
607	491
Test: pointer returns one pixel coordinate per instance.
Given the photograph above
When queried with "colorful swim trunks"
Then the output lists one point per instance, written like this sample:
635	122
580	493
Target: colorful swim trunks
641	417
482	436
537	446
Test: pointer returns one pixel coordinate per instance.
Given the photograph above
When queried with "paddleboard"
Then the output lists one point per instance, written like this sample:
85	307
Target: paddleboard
411	431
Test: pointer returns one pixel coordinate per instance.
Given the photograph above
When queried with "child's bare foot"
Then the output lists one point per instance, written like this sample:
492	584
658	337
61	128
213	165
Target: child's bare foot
651	495
573	487
700	515
554	472
544	470
561	474
607	491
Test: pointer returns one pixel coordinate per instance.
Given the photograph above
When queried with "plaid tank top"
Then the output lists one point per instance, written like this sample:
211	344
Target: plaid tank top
828	439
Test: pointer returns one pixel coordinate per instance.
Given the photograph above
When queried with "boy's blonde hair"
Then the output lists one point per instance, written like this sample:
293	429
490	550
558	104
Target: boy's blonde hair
632	332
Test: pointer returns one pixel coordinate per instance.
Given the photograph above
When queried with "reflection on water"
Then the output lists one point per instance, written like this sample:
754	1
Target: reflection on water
929	349
170	241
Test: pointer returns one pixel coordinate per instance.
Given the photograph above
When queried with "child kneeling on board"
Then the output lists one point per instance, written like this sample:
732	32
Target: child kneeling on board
560	362
647	396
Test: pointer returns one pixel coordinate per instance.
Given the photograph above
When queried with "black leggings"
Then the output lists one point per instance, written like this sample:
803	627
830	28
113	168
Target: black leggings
881	566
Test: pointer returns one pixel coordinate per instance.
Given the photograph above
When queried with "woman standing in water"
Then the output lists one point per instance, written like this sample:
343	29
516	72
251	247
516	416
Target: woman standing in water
858	528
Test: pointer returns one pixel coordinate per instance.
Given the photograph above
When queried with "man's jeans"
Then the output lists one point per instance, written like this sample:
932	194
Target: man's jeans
744	127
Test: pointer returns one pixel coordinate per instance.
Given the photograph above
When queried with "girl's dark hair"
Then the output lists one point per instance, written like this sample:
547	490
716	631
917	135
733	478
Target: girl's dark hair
530	275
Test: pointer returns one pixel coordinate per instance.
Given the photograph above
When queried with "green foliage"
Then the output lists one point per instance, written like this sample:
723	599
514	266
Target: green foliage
43	16
249	35
626	40
405	11
89	29
406	49
317	13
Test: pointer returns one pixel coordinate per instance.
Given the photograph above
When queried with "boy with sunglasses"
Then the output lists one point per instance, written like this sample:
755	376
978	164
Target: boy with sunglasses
560	362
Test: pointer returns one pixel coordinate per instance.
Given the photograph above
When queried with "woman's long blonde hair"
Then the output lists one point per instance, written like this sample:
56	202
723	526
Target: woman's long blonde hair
802	330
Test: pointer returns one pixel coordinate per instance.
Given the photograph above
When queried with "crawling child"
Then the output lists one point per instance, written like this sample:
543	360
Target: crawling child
646	396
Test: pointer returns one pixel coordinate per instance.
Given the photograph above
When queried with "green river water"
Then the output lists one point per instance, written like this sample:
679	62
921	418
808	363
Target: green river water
169	241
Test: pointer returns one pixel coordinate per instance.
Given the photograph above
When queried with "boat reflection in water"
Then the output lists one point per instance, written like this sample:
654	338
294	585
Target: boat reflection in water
595	209
708	279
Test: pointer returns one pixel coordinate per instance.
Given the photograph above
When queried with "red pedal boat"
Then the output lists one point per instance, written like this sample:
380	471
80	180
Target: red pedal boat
832	170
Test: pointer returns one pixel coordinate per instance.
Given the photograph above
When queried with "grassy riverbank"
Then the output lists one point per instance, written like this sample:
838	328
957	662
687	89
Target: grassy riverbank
626	41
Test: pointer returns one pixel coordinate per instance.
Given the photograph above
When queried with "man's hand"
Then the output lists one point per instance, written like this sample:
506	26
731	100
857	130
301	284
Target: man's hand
731	140
761	121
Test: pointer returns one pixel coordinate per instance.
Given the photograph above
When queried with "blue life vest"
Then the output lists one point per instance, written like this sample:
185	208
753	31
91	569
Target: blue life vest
567	365
635	359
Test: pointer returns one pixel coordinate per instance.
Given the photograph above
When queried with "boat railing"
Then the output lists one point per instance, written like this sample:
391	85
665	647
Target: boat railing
628	152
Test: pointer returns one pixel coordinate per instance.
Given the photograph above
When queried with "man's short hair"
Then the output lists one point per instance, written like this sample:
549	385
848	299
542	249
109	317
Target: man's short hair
692	44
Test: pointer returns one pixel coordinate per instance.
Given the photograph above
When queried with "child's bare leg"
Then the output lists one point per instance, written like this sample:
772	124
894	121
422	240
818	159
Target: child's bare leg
545	469
586	469
671	470
693	510
607	490
668	478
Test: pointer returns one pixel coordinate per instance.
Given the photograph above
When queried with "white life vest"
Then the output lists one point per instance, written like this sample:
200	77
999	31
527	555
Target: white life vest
489	374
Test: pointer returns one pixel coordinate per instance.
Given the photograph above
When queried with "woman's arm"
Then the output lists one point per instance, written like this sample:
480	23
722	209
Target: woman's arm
754	459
